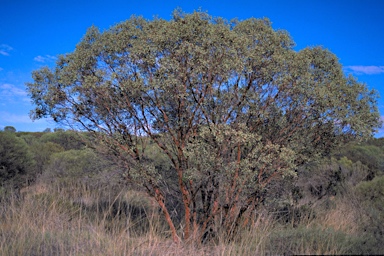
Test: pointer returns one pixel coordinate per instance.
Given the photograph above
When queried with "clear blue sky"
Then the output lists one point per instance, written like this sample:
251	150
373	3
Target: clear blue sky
32	33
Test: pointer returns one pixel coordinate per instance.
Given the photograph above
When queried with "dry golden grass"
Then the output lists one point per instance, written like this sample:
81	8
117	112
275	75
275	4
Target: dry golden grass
342	218
73	221
48	222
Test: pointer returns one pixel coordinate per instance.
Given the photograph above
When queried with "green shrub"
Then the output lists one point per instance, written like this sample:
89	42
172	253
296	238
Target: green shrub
43	151
372	196
67	139
17	167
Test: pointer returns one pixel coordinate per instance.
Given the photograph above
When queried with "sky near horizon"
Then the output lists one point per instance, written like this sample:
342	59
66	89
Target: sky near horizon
34	33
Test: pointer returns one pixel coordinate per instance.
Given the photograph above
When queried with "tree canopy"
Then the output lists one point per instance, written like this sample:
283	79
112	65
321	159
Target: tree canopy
230	104
9	129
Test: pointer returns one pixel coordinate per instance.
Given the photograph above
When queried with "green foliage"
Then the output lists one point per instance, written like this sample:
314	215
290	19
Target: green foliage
368	154
9	129
29	137
71	164
372	195
66	139
47	130
230	104
354	173
17	167
318	180
373	191
42	152
83	166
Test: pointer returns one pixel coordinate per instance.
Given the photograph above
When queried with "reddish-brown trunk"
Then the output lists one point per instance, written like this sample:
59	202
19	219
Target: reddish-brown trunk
160	200
194	213
233	195
186	202
214	211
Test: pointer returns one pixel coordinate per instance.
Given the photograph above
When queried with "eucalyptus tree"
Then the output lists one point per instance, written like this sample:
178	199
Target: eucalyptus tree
229	103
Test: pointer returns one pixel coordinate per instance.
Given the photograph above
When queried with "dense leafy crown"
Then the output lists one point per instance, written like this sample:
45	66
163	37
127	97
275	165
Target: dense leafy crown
215	96
222	72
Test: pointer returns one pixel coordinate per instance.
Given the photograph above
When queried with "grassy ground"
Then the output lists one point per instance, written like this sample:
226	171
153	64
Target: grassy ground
74	220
